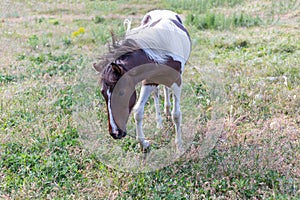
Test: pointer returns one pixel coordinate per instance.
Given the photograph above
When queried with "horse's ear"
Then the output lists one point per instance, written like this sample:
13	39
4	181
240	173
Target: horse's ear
117	68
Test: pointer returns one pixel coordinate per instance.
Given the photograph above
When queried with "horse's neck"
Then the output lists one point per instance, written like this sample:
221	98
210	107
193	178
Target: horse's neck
139	58
135	59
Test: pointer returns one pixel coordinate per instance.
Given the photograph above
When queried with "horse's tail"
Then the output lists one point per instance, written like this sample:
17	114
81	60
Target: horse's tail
127	25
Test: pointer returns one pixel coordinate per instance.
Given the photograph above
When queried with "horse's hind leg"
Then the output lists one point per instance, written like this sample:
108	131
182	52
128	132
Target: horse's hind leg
157	110
176	115
139	114
167	102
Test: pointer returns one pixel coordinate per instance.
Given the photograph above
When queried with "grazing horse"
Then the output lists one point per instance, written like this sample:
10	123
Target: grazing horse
160	40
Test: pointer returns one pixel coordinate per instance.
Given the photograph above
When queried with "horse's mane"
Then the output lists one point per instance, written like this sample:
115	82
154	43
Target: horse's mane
116	50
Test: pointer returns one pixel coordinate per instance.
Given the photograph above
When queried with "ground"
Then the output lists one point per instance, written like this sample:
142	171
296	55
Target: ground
243	72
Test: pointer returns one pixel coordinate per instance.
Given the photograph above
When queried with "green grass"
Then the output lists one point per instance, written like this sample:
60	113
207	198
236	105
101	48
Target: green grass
202	6
47	163
221	22
244	68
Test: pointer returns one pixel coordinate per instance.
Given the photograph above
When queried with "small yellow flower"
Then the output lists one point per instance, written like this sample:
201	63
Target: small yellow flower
80	31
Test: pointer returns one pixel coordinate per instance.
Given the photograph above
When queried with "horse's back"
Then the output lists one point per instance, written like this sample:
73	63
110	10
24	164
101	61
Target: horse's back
156	15
161	35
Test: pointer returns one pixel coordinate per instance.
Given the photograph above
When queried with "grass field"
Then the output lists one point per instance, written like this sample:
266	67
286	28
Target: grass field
51	107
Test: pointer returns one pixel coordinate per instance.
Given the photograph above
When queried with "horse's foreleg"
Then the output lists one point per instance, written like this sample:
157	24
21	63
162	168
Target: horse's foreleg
139	114
176	115
167	103
157	110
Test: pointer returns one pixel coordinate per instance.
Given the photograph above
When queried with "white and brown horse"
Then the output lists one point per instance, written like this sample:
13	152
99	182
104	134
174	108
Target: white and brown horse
160	40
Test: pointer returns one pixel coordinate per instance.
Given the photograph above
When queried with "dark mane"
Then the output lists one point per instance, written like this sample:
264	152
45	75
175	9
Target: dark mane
115	52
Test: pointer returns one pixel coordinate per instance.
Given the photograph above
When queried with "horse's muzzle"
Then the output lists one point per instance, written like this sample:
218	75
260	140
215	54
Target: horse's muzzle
119	134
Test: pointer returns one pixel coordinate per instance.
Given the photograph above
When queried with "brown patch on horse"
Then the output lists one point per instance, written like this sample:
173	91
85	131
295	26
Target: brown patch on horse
173	64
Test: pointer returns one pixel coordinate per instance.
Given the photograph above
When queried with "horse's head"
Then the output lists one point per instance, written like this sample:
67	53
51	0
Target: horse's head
110	75
121	59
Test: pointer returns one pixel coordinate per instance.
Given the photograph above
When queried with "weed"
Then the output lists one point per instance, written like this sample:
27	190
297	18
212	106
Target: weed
7	78
33	41
99	19
67	41
54	22
66	101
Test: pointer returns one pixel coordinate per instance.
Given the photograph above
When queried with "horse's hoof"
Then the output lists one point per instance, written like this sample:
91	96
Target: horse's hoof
145	145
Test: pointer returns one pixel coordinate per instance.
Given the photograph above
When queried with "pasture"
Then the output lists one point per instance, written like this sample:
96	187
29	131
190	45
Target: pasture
244	69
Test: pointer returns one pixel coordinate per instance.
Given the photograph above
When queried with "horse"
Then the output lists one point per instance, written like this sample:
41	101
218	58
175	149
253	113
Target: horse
160	40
